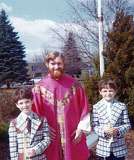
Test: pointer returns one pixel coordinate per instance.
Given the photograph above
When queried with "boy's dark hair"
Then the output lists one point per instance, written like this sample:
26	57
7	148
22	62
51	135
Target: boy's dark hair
21	93
106	83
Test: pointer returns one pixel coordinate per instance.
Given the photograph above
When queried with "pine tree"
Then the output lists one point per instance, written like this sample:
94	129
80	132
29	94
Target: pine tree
72	57
119	53
12	54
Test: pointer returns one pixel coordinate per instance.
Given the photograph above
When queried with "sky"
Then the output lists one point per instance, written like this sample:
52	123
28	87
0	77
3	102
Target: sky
34	21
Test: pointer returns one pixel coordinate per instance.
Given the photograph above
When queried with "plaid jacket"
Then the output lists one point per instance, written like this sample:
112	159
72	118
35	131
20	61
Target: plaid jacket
38	139
119	116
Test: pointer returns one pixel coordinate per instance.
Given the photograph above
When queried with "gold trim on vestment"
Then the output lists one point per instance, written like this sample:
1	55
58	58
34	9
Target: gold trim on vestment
49	96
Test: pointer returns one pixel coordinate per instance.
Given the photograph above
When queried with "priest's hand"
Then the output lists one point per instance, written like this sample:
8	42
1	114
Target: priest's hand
36	88
78	134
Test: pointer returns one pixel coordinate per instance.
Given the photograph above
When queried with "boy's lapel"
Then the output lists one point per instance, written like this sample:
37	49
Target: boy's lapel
116	111
35	123
20	123
102	110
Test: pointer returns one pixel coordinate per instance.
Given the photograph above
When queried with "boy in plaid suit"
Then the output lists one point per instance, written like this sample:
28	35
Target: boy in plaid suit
110	122
28	133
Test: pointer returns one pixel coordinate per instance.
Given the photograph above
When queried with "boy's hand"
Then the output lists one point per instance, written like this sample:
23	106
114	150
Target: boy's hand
111	131
31	152
108	130
115	132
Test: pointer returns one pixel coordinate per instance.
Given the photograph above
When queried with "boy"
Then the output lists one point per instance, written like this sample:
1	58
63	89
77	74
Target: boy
110	122
28	134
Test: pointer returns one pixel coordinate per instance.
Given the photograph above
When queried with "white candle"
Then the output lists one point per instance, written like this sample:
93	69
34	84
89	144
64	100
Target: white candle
25	147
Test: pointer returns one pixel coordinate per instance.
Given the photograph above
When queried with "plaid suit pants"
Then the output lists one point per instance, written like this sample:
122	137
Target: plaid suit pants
111	157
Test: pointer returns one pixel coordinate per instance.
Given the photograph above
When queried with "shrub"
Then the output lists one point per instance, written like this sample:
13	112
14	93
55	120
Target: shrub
4	131
8	111
91	87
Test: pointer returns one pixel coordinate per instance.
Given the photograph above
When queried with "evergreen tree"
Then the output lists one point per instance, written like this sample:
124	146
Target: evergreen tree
119	53
12	63
72	57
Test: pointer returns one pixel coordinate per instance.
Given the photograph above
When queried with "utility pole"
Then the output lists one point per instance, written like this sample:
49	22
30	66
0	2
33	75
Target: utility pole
100	26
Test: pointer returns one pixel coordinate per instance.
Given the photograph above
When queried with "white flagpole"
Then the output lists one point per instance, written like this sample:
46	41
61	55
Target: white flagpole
100	25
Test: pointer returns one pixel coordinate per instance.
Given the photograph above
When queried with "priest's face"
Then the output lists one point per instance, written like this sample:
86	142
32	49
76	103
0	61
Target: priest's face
56	67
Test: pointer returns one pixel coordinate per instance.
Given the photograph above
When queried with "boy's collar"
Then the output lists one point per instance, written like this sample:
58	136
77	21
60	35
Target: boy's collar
25	115
108	102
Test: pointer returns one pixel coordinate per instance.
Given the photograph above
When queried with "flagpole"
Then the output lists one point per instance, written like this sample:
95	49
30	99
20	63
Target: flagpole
100	26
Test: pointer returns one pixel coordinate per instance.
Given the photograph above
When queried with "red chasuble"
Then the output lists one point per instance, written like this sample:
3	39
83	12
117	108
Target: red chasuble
64	103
